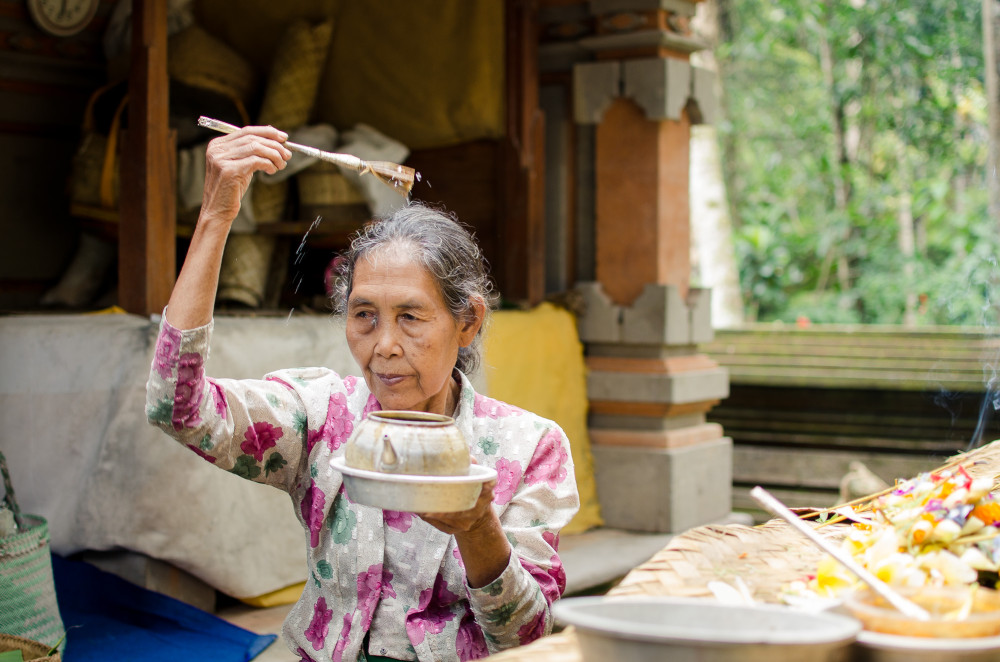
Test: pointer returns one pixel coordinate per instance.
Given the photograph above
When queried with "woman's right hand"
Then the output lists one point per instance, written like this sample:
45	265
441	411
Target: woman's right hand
230	162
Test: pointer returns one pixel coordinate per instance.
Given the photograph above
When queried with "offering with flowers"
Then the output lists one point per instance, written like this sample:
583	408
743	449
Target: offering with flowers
937	529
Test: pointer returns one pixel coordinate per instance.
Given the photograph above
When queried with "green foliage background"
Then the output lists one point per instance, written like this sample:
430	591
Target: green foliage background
905	78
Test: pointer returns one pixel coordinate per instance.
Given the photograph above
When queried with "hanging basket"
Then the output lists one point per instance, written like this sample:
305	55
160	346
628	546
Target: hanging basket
28	605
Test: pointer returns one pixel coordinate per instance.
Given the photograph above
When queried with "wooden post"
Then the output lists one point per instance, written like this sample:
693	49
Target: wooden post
146	240
522	191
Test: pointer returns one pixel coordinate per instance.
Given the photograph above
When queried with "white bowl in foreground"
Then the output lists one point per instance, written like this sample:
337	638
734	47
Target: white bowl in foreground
878	647
411	493
648	629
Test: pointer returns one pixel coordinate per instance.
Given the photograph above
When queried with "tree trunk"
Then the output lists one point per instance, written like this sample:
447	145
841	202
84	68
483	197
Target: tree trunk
841	187
991	48
907	236
712	253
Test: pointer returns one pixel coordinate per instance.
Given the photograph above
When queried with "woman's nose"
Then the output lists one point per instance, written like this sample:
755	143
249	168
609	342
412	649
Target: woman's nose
386	340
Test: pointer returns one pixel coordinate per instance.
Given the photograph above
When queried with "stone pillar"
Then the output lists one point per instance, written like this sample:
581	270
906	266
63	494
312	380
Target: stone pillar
660	466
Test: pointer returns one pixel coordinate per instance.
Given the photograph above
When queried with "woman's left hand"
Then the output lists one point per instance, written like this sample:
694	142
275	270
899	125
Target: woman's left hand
466	521
481	540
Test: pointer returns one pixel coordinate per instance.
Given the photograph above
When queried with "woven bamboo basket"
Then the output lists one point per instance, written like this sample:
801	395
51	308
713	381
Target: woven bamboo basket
327	192
293	81
765	557
30	650
269	200
288	100
28	605
246	263
196	58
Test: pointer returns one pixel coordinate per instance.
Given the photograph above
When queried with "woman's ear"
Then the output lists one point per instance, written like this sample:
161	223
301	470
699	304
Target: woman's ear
473	321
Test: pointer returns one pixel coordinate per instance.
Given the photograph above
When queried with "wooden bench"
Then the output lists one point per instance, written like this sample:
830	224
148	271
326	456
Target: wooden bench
805	403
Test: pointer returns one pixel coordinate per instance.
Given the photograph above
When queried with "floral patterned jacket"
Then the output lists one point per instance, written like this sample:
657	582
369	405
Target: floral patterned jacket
366	564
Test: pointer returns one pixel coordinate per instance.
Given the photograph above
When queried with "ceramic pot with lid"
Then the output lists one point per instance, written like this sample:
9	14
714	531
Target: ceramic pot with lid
408	442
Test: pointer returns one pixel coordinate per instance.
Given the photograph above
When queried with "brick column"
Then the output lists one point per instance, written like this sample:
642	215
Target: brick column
660	466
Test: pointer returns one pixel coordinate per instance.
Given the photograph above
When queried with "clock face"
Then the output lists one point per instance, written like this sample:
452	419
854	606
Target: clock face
62	17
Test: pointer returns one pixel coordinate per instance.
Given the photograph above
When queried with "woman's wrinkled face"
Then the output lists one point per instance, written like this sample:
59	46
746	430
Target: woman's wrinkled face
402	333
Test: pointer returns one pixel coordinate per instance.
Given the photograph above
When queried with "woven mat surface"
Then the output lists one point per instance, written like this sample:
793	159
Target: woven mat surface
766	557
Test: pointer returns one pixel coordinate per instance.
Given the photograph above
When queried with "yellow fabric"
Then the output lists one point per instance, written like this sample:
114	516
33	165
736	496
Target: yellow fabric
534	360
428	73
254	28
283	596
110	310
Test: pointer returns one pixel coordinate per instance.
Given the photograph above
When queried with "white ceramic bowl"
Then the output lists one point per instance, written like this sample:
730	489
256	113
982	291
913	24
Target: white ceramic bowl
641	629
878	647
414	494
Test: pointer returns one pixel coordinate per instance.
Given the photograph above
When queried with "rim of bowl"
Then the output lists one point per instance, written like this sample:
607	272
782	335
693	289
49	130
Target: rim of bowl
569	611
477	474
410	417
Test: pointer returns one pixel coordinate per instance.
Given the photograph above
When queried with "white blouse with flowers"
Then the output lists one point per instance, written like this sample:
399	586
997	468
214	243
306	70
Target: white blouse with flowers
386	574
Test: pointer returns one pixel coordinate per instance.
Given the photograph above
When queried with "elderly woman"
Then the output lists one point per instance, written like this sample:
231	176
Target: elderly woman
381	584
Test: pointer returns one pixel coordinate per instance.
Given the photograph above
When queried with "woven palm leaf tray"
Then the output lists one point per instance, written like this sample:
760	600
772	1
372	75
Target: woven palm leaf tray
765	557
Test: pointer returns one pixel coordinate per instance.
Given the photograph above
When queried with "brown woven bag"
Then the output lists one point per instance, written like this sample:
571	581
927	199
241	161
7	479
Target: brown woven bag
31	650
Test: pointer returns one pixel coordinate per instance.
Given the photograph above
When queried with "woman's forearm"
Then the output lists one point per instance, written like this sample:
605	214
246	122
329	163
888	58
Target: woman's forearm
485	552
192	301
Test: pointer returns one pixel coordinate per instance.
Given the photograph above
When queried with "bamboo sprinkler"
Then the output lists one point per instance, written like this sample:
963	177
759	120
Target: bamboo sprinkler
399	177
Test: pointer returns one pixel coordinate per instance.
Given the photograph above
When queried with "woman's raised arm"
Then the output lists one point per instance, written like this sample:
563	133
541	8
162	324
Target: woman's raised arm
230	161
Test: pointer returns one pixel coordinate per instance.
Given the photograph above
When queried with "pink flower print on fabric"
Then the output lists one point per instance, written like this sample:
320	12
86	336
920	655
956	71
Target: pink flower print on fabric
168	345
508	478
371	405
219	397
313	503
187	395
400	521
552	539
432	612
278	380
371	585
533	629
319	625
552	582
350	382
336	428
303	656
312	436
548	462
470	643
345	633
339	421
489	408
258	438
203	454
458	557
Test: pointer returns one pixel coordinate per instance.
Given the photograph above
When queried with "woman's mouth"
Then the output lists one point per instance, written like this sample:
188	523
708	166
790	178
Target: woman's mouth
390	379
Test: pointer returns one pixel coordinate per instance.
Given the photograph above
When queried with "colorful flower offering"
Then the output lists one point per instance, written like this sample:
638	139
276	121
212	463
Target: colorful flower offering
938	529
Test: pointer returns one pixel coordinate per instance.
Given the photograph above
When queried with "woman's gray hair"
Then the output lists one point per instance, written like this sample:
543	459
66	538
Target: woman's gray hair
441	245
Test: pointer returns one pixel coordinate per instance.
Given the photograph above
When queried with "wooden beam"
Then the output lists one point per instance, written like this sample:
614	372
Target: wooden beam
522	185
146	241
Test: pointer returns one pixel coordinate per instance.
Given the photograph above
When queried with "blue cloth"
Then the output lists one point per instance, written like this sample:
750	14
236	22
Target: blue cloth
108	618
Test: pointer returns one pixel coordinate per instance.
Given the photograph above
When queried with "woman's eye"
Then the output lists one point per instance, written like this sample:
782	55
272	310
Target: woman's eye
408	316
